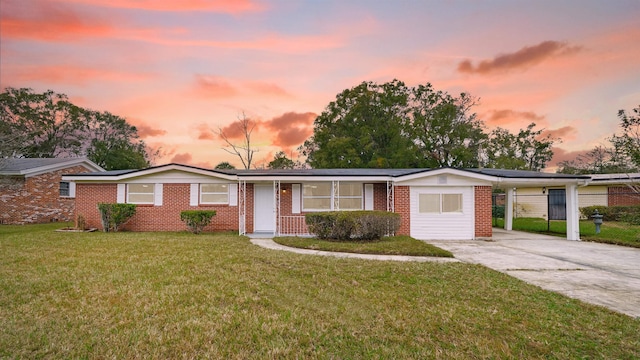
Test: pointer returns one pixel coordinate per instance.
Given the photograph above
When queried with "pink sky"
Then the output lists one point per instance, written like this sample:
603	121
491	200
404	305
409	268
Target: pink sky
179	70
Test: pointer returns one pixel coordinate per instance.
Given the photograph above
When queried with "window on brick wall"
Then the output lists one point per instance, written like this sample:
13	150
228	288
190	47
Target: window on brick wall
65	189
214	193
328	195
140	193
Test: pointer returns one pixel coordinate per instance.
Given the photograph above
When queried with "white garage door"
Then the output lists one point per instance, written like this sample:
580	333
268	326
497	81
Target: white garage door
442	213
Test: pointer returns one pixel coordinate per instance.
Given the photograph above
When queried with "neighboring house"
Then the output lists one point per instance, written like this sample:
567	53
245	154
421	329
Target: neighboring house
602	190
32	190
441	203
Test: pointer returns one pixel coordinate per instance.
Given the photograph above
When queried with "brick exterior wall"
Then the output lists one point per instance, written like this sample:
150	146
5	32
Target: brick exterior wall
380	197
483	225
622	196
175	198
402	204
36	199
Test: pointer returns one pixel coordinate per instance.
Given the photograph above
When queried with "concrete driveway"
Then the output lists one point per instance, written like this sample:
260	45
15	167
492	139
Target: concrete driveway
601	274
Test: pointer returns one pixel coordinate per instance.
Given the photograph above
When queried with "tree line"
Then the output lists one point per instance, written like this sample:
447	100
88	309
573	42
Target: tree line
46	125
392	125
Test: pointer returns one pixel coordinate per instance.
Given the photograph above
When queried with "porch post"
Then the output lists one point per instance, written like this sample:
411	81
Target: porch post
276	204
242	207
508	211
573	223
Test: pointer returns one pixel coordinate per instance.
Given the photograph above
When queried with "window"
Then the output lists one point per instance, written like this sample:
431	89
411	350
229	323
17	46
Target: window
440	203
214	193
323	196
451	203
429	203
140	193
65	189
316	196
350	196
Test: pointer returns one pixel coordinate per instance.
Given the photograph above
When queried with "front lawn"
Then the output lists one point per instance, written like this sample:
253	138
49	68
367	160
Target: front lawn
610	232
390	245
178	295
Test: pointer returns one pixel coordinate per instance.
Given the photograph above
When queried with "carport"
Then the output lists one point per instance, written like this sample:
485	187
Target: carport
511	180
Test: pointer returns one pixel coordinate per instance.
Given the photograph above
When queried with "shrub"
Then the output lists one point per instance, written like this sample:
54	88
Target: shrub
629	214
196	220
352	225
113	216
497	211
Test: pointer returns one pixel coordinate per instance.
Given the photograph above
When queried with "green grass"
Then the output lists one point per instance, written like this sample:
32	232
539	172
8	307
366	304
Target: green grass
390	245
610	232
178	295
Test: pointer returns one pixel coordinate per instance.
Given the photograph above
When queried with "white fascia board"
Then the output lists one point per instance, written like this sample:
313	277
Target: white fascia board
303	179
147	172
445	171
86	163
538	182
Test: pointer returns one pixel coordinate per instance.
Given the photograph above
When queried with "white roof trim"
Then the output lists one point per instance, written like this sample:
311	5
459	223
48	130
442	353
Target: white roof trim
446	171
147	172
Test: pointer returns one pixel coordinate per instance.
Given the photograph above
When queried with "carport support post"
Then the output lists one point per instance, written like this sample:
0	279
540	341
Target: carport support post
573	223
508	211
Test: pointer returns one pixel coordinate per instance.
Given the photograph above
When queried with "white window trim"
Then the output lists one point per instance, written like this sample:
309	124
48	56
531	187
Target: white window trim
70	189
226	202
441	204
334	197
152	202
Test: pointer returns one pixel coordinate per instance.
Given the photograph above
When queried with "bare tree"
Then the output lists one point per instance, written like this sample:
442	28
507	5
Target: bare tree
243	150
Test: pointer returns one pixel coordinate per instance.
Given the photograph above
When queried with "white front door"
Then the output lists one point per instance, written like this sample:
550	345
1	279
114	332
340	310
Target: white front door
263	207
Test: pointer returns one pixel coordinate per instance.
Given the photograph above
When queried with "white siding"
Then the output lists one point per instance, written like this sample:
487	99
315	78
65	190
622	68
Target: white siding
447	226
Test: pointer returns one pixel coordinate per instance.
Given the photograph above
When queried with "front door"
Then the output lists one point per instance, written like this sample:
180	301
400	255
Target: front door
264	220
557	204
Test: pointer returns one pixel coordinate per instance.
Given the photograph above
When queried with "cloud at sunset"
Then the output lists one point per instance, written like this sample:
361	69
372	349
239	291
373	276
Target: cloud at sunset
508	116
291	129
205	132
214	87
563	133
521	59
70	74
219	6
49	21
146	131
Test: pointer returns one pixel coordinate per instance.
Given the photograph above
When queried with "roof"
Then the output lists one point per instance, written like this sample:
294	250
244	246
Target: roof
610	179
522	174
494	175
34	166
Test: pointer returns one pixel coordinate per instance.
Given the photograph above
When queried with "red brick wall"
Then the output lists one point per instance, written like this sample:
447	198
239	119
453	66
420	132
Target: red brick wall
37	199
482	202
175	198
380	197
622	195
402	204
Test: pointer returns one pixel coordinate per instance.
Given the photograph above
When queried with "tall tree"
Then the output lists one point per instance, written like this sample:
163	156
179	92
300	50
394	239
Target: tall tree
622	156
281	161
225	165
629	141
444	127
48	125
363	128
527	150
243	150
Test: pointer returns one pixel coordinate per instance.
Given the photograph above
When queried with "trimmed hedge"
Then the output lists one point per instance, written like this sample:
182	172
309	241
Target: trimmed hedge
352	225
628	214
113	216
196	220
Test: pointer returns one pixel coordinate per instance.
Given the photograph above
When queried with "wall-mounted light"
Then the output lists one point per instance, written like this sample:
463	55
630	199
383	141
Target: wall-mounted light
284	191
544	190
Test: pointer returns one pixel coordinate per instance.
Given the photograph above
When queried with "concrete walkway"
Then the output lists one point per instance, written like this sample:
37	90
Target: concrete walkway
600	274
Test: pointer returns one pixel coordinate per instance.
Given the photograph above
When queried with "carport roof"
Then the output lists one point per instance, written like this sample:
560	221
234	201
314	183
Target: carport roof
524	174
